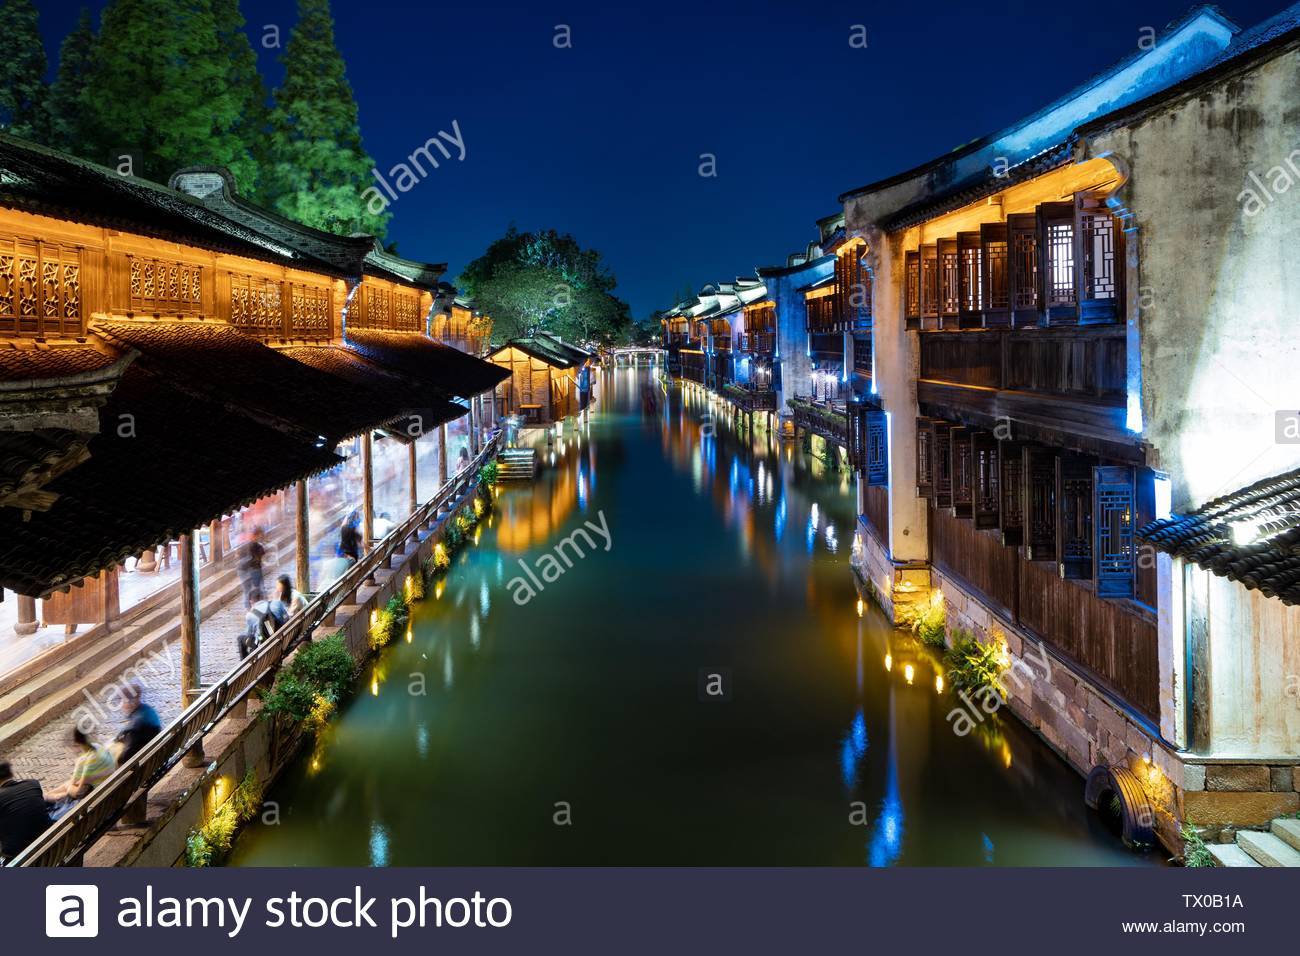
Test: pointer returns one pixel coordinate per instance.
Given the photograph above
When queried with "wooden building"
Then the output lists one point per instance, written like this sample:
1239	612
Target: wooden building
548	380
170	355
1009	464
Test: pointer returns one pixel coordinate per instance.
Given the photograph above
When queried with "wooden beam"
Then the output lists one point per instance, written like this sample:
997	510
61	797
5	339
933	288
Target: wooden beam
412	476
302	539
442	454
367	493
190	662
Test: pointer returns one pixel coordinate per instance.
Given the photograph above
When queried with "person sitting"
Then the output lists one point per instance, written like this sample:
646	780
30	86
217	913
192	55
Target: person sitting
290	600
93	767
142	724
261	621
23	813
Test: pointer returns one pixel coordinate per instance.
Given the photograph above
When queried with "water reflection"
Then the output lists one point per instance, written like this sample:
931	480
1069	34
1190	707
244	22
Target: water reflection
588	694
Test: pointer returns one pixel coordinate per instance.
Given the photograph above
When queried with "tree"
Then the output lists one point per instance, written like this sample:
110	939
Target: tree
248	92
545	281
22	70
64	118
161	88
317	166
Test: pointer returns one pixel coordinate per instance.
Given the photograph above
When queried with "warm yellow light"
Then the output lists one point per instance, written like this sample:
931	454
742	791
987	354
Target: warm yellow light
889	662
908	672
938	683
408	635
374	686
860	607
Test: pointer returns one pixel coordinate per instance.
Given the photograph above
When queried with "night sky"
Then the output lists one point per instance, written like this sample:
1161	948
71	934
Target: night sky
603	140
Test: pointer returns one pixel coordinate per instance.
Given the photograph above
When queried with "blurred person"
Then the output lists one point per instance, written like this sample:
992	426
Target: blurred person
350	537
260	621
94	765
142	724
23	812
250	563
289	599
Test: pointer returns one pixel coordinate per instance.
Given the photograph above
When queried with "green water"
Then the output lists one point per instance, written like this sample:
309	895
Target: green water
571	730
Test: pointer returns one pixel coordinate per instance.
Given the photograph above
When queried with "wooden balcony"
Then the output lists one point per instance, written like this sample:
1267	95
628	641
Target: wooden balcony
824	420
1065	386
749	398
758	343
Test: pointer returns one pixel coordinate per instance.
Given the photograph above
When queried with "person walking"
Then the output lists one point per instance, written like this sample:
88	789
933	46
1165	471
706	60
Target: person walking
23	814
250	563
350	538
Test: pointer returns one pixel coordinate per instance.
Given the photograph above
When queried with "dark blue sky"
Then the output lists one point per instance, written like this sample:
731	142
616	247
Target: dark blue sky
603	140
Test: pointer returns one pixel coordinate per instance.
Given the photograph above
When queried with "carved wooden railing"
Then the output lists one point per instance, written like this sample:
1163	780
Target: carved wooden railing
66	841
830	424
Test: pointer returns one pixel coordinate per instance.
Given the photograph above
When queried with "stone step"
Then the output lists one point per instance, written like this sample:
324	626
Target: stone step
1287	830
1267	849
1229	854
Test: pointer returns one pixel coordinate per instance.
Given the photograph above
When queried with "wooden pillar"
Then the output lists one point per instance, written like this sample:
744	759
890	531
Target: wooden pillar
442	454
110	605
190	670
367	493
302	539
216	544
475	419
26	623
413	476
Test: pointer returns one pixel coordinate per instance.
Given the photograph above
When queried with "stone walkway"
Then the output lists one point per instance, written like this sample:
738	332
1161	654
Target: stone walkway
49	754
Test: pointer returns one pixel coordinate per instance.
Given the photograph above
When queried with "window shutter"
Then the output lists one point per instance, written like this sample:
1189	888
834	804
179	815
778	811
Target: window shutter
1074	516
1056	258
1022	230
877	448
988	479
1098	256
997	302
1114	547
970	281
1011	520
1039	485
942	465
924	458
912	306
962	473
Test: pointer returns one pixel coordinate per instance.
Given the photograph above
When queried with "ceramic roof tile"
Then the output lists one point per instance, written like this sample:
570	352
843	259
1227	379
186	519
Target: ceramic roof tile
417	356
1251	536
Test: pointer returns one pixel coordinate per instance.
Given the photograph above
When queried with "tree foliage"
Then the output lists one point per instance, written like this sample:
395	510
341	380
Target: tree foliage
22	70
167	84
546	281
317	166
66	128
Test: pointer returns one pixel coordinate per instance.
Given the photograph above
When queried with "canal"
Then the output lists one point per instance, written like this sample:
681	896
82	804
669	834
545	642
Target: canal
570	726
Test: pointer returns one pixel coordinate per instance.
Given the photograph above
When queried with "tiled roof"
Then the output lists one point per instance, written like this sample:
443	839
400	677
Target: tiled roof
57	362
180	462
28	460
428	410
417	356
50	183
426	275
539	349
222	364
1251	536
214	187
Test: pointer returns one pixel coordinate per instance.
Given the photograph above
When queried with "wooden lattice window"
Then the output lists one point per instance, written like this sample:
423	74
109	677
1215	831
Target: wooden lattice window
163	287
1056	245
1099	243
929	286
1012	518
256	304
924	458
942	465
912	299
988	480
963	473
997	279
312	310
1074	514
970	282
40	288
1115	547
875	435
1022	238
949	279
393	310
1039	483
